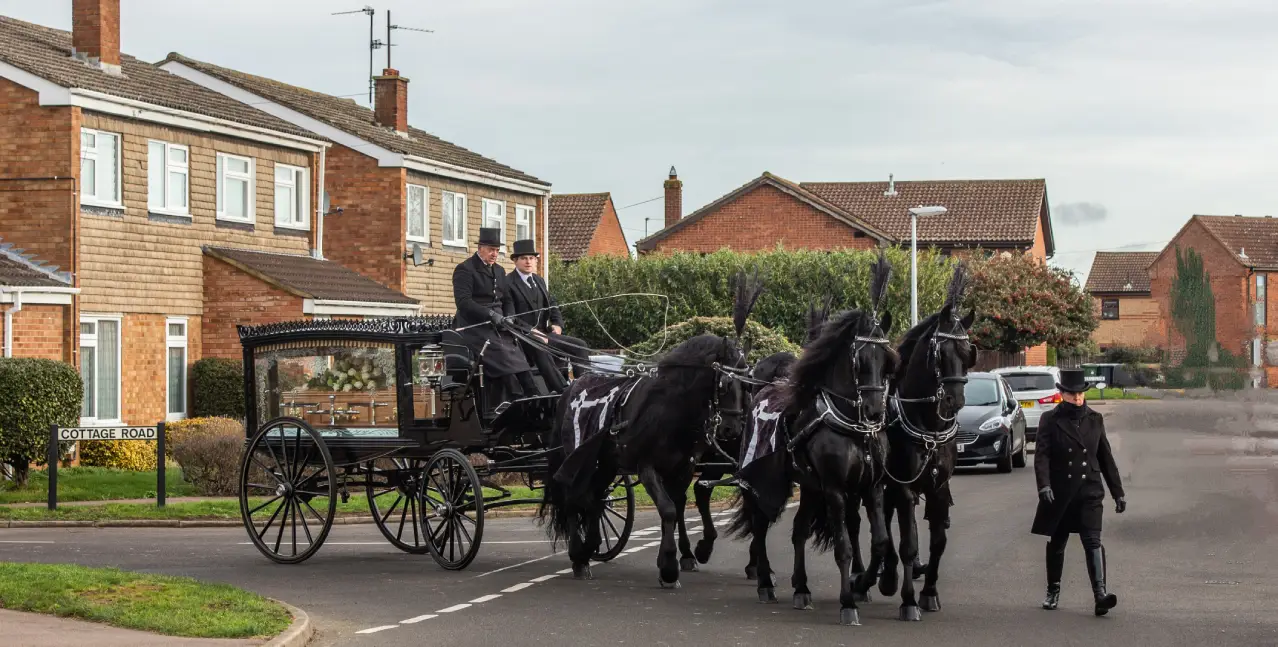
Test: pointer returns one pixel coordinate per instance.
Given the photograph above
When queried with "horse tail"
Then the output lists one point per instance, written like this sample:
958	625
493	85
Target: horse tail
768	493
553	512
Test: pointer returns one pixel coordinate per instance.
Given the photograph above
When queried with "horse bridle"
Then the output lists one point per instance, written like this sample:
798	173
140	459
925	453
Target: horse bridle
934	359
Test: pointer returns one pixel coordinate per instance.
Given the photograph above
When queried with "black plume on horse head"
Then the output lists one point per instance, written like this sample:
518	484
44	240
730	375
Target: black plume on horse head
748	289
880	276
958	286
817	318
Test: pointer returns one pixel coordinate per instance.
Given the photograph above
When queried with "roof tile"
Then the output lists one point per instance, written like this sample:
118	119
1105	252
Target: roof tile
311	278
1114	272
1257	238
573	220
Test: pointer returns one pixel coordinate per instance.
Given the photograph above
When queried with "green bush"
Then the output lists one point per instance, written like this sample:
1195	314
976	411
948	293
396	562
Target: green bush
218	388
209	451
701	286
131	455
34	395
763	340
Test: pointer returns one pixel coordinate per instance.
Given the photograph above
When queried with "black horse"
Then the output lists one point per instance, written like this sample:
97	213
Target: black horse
926	396
651	425
833	407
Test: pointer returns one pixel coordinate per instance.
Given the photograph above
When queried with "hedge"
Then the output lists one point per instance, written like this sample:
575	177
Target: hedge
763	340
700	286
209	450
218	388
132	455
34	395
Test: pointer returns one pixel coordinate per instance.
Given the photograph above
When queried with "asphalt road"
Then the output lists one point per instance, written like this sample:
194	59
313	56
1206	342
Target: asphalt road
1192	560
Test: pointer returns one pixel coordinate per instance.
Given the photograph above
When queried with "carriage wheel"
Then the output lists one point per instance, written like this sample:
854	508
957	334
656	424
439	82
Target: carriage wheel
618	519
394	498
288	490
453	506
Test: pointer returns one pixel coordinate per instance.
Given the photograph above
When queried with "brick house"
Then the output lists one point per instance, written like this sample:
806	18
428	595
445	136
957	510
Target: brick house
585	224
1240	254
993	215
1118	283
397	186
116	180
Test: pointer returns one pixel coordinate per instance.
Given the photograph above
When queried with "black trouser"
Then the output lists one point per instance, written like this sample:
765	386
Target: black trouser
546	366
575	349
1094	554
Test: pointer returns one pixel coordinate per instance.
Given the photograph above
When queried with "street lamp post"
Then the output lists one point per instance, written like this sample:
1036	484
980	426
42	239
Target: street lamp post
915	214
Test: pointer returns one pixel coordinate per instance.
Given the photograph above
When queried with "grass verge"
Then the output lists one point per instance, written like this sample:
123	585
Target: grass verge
175	606
1114	394
96	484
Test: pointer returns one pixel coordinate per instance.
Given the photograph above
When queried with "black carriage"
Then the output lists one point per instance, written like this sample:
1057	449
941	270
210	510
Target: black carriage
397	408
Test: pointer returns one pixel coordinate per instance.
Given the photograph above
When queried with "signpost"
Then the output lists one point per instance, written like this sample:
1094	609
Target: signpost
57	434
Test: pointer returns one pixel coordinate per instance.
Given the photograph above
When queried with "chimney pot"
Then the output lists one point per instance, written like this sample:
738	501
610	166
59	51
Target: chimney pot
390	106
95	32
674	198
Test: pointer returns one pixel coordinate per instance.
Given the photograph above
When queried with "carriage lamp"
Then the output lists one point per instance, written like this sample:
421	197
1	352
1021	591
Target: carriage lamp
431	368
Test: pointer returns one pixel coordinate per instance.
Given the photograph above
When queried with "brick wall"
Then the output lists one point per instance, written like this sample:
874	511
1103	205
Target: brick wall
1228	284
232	297
368	236
608	237
760	219
38	331
135	263
1137	323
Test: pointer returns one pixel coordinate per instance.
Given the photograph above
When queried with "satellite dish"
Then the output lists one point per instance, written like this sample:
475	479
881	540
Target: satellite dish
417	255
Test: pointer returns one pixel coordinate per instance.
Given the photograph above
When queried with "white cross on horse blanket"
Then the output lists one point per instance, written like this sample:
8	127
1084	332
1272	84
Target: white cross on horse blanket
766	479
593	401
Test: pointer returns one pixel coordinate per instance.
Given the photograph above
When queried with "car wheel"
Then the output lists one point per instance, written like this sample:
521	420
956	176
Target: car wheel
1005	461
1019	459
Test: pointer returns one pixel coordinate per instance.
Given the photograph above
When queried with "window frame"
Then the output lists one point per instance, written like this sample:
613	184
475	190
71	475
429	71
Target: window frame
443	218
169	167
530	213
301	197
1104	304
94	200
96	319
222	174
425	215
484	218
1260	316
172	341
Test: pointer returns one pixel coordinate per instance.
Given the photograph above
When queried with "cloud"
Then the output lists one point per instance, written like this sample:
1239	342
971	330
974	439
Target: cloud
1080	213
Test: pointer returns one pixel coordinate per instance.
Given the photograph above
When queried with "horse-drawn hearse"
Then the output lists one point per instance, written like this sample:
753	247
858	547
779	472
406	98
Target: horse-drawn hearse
397	408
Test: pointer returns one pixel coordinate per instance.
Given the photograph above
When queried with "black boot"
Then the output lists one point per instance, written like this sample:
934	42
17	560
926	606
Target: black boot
1096	571
1055	566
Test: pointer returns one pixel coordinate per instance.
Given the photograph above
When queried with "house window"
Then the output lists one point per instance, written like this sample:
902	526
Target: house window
453	206
167	178
524	220
1109	308
235	193
100	369
495	217
175	346
1262	301
417	222
292	197
100	168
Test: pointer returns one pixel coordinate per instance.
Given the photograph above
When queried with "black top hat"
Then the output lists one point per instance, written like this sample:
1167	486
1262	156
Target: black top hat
490	236
1073	381
525	247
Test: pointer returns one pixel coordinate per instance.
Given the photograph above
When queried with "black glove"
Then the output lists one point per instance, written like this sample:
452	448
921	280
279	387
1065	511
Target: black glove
1045	494
496	318
1120	504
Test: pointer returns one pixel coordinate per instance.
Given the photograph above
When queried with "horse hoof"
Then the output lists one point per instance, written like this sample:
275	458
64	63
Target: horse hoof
752	573
849	618
861	597
929	602
910	614
688	565
703	551
582	572
767	595
669	585
803	601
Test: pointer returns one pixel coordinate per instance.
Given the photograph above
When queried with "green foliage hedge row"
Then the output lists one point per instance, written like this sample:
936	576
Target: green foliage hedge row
218	388
34	395
762	340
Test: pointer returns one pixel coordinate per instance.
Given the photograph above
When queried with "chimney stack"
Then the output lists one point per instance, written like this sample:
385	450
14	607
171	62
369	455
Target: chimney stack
391	107
674	198
95	32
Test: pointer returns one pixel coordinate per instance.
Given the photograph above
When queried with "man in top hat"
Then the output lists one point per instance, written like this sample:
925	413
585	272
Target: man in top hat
538	310
1071	459
479	286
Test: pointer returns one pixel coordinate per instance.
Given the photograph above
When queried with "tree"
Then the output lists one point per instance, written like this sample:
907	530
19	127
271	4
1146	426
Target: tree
1193	307
34	394
1022	302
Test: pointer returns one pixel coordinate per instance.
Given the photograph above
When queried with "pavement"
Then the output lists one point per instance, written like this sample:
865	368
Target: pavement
1194	561
38	630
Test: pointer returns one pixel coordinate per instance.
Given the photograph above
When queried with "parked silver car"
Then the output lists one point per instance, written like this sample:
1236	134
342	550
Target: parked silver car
1035	389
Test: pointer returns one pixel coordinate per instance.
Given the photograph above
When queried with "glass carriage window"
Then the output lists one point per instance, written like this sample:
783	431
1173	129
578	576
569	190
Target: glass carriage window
340	388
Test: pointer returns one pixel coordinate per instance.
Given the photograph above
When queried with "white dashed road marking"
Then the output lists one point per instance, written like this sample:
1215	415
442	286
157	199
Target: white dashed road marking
486	598
518	587
376	629
418	619
455	607
543	578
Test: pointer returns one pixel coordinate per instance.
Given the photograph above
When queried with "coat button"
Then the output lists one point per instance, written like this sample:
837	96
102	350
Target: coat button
1084	450
1084	464
1071	450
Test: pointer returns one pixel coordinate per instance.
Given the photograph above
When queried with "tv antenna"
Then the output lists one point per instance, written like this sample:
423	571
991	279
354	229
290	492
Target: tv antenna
389	27
372	44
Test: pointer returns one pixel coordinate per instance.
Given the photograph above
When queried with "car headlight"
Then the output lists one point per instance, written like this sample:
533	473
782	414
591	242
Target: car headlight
991	424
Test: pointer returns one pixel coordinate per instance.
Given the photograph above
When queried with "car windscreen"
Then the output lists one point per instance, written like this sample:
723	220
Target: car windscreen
981	393
1030	381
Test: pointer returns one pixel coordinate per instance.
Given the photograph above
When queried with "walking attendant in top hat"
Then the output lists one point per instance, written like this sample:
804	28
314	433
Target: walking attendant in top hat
1071	459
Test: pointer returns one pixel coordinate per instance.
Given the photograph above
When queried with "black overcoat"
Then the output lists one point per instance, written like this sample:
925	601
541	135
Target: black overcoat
479	291
534	306
1073	456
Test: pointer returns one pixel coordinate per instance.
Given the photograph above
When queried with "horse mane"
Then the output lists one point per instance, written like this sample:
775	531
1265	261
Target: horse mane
702	350
821	353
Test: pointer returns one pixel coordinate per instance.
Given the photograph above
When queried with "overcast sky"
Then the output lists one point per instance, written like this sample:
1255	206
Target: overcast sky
1139	113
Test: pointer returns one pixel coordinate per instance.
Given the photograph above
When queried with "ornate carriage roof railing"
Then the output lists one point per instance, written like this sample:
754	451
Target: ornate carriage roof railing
428	327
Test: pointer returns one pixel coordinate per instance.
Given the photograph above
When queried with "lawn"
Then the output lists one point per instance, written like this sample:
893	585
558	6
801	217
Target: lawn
175	606
1114	394
96	484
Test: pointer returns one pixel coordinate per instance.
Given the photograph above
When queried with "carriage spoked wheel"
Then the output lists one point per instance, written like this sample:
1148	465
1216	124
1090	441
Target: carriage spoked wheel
288	490
617	520
452	509
394	488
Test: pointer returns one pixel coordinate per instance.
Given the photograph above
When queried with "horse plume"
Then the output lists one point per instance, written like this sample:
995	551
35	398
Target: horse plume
958	285
748	291
817	318
880	275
